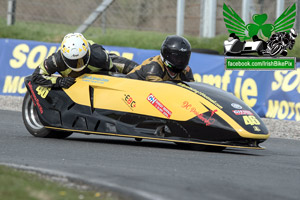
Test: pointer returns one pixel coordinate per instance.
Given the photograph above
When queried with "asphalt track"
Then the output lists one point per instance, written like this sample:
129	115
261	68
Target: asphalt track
158	170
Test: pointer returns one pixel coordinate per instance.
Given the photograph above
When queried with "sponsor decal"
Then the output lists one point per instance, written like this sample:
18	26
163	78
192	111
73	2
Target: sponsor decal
242	112
251	120
186	105
35	99
207	120
201	94
94	79
159	106
129	101
236	106
256	128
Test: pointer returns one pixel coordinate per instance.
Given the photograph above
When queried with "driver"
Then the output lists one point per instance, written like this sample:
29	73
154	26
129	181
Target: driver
75	57
171	64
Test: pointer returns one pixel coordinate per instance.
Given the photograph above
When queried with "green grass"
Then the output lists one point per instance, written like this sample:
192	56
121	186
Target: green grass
114	37
15	184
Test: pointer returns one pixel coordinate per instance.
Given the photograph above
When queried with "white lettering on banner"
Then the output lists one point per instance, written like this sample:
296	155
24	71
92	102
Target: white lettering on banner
286	81
215	80
41	52
19	55
245	90
14	84
283	109
22	54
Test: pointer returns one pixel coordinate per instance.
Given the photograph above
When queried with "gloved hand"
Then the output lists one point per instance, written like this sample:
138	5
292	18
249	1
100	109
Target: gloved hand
65	82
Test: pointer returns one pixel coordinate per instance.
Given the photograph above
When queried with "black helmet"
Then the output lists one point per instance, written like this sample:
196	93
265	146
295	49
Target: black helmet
176	52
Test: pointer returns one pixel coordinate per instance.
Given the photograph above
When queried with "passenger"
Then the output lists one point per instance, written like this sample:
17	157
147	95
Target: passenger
171	64
75	57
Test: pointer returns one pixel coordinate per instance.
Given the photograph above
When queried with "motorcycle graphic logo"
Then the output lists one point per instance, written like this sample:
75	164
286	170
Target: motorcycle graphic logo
267	39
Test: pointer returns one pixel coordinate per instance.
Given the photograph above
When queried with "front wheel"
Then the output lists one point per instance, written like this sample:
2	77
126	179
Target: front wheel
276	49
33	123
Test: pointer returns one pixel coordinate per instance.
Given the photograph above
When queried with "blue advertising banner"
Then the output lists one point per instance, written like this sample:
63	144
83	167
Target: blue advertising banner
272	94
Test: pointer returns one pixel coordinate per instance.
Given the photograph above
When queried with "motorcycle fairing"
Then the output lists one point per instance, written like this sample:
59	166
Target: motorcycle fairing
96	104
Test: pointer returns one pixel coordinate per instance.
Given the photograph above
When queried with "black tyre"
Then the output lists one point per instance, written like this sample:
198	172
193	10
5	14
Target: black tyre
276	49
260	52
33	124
214	148
208	148
138	139
200	147
284	53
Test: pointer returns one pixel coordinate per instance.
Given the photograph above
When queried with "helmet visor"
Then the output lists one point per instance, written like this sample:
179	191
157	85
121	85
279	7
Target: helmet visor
77	64
179	60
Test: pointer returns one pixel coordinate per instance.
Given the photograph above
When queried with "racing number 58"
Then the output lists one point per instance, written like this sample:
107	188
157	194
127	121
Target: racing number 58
43	91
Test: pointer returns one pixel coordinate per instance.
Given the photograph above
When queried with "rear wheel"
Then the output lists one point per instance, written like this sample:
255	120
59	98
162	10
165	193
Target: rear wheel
33	123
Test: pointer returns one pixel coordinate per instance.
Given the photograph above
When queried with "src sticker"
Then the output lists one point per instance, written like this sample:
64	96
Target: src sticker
159	106
129	101
251	120
35	99
236	106
242	112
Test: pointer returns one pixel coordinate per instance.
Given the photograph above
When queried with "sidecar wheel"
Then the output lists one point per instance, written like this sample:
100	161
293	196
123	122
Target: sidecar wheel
276	49
214	148
33	123
138	139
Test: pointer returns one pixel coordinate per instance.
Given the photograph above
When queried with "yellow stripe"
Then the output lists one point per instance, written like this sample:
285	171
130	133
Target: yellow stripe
93	69
91	42
153	78
110	62
66	72
151	138
42	67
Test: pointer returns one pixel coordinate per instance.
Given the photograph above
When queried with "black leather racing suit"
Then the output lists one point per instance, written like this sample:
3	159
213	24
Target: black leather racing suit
99	61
